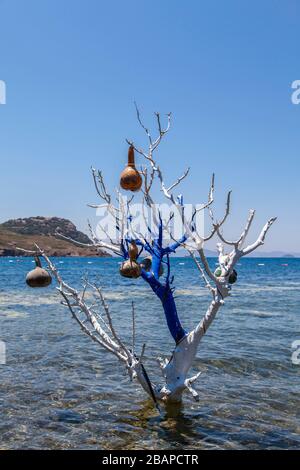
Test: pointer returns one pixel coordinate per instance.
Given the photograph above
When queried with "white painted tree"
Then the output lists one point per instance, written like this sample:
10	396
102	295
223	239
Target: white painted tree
99	325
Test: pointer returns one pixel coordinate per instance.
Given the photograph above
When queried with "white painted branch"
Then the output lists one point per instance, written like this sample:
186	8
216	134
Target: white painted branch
199	267
178	181
96	244
210	199
244	234
261	239
108	315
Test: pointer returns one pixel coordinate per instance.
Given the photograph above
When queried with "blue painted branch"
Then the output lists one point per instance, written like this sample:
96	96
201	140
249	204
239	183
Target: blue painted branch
165	294
173	247
163	290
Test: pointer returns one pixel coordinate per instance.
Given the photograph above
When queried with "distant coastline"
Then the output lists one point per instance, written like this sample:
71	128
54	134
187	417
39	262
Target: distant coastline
256	254
262	254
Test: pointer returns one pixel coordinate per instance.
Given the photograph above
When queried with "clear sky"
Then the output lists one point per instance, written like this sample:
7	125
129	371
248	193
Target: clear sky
224	68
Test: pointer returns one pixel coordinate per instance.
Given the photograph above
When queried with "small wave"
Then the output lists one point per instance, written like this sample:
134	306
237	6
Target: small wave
259	313
27	300
13	314
252	288
111	295
191	292
254	313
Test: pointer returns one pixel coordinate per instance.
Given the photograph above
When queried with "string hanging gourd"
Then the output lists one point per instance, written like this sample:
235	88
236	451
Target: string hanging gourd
146	264
130	268
131	179
218	272
232	276
38	277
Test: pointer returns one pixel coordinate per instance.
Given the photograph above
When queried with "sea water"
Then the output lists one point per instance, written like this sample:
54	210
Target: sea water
59	390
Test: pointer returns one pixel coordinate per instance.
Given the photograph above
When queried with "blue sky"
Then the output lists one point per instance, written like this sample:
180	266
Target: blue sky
73	69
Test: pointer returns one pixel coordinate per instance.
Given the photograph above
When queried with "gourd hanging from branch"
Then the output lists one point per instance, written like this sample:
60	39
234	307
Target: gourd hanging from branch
225	259
38	277
146	264
131	179
232	276
130	268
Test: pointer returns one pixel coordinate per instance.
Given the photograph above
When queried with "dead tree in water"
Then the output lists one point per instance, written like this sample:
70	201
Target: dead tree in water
99	325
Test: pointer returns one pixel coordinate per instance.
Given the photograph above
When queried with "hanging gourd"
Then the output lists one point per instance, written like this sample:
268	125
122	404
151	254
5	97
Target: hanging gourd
131	179
218	272
38	277
146	264
232	277
130	268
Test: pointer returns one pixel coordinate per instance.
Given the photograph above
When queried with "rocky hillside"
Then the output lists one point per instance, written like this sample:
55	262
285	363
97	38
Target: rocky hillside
45	226
41	230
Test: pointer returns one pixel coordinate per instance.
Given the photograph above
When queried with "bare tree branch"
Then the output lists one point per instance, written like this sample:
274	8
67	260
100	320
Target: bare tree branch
261	239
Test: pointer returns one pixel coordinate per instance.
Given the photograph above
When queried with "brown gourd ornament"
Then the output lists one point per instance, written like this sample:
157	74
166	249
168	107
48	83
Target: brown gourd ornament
131	179
38	277
146	264
130	268
232	277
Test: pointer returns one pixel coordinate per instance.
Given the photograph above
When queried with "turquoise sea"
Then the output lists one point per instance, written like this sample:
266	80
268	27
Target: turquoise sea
59	390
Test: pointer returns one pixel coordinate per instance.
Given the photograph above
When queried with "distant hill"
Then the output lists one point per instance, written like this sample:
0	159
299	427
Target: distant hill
41	230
